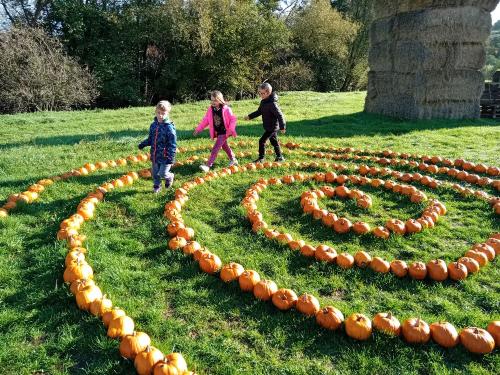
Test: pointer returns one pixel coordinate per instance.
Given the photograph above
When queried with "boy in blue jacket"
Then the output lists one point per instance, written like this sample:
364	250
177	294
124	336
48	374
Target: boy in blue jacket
163	141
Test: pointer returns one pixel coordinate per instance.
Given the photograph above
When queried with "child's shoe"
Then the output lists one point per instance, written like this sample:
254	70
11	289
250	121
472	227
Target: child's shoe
233	162
156	189
169	182
259	160
204	168
279	158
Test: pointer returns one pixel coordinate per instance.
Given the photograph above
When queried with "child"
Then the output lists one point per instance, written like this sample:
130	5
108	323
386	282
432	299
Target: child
163	141
272	121
222	124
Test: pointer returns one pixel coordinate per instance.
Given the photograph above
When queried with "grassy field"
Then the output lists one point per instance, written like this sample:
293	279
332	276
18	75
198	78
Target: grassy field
219	329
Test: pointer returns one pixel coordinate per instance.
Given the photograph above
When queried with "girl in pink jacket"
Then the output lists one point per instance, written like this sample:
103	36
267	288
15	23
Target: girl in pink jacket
222	124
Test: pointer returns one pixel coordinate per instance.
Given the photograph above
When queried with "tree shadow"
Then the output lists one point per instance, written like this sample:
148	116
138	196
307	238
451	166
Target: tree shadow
363	124
70	140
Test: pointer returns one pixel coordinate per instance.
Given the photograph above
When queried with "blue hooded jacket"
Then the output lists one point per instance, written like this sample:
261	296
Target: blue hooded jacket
163	141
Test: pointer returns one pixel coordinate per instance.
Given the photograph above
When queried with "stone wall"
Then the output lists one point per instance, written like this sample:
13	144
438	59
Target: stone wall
425	57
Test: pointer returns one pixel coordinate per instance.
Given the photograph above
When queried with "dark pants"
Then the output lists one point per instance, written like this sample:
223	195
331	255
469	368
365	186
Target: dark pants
273	138
161	171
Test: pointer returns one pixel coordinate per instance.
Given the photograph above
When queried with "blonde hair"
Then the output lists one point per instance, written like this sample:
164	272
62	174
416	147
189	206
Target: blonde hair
164	105
217	95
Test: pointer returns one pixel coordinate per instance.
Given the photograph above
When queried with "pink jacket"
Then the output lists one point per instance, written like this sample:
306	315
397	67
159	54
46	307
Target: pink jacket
227	116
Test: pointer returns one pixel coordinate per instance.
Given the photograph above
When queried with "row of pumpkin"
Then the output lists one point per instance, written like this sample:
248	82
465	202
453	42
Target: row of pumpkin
134	345
478	256
357	326
33	191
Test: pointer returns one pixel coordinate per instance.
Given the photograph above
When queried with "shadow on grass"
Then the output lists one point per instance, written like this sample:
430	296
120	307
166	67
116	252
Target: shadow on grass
335	126
363	124
69	140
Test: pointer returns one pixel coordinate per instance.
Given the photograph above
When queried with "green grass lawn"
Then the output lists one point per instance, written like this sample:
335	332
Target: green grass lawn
219	329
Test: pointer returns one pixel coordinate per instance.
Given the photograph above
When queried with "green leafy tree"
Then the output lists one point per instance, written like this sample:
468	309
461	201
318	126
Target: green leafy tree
323	37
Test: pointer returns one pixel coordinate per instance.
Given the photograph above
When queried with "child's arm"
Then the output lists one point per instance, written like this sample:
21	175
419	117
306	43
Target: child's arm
203	124
147	141
279	115
172	141
255	114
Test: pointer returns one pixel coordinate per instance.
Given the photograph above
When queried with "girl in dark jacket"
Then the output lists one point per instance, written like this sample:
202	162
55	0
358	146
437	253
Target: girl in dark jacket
163	141
272	121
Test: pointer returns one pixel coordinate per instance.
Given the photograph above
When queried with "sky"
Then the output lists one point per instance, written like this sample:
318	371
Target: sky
495	15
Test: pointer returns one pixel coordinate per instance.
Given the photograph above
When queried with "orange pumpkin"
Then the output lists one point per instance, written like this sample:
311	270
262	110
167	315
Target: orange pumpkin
248	279
486	250
145	361
444	334
100	305
173	363
417	270
296	244
284	238
177	243
457	271
380	265
133	344
413	226
388	323
265	289
87	295
360	227
78	270
358	326
325	253
284	299
191	247
231	272
381	232
329	219
416	331
210	263
330	318
186	233
79	284
345	260
307	250
111	315
437	270
307	304
494	330
471	264
362	259
342	225
479	257
477	340
120	327
399	268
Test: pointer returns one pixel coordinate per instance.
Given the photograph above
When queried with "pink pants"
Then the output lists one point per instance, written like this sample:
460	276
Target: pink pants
221	142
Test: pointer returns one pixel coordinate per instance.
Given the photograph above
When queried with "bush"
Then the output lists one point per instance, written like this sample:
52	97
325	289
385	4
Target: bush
35	74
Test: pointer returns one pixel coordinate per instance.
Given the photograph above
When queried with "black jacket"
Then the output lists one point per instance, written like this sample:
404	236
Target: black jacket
272	117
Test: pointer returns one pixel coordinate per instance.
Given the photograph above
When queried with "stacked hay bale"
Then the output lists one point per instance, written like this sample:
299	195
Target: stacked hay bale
425	57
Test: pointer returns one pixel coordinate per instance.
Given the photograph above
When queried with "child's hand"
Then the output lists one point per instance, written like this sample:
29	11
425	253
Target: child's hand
283	131
247	118
195	133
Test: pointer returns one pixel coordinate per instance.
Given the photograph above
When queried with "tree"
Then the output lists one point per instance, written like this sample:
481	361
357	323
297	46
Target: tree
359	11
35	74
25	12
323	37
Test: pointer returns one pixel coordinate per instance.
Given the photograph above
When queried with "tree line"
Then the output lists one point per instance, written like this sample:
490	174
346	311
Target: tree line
113	53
